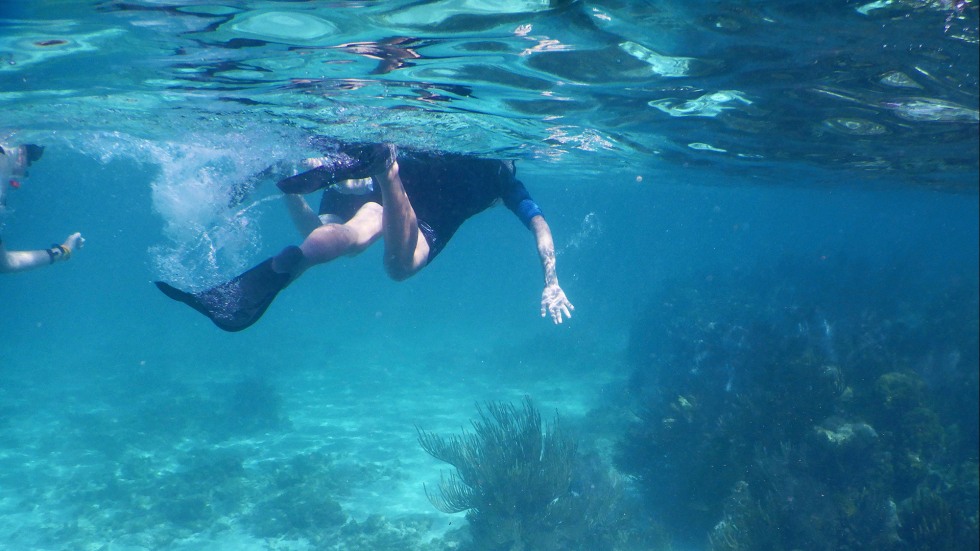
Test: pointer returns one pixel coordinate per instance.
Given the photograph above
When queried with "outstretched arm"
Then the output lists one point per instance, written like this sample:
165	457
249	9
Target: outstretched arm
19	261
553	299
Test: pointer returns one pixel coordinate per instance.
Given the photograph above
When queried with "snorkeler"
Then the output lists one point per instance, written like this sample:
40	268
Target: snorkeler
14	161
414	200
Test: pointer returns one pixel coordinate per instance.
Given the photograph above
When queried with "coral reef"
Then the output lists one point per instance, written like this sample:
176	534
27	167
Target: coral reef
930	522
298	502
510	463
790	408
525	487
512	475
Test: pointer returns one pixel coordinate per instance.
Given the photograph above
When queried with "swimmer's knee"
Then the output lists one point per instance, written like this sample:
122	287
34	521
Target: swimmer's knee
372	208
365	227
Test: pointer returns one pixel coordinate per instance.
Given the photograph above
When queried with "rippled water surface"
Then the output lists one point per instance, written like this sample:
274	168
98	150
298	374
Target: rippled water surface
884	87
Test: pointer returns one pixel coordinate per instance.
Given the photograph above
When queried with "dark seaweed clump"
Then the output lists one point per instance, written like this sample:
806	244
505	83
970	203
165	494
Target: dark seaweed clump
825	405
524	485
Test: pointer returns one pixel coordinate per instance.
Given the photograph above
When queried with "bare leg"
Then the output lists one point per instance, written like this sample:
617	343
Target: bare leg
331	241
406	250
237	304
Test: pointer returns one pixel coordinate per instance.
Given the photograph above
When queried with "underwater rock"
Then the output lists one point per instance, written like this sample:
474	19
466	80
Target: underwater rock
923	431
898	391
900	406
842	435
843	452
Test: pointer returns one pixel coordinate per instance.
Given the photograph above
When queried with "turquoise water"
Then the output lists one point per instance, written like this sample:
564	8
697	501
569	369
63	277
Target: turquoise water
807	167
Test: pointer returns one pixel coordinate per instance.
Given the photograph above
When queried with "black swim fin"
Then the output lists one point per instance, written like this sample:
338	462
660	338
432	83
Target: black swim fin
237	304
307	182
352	162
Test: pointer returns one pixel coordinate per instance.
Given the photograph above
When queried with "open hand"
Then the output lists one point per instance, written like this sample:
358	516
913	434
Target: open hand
554	302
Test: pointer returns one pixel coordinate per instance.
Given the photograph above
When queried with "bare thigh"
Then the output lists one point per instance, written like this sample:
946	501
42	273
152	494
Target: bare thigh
332	240
366	226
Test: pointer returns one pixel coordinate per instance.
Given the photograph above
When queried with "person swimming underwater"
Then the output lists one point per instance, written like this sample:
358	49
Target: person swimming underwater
14	162
414	200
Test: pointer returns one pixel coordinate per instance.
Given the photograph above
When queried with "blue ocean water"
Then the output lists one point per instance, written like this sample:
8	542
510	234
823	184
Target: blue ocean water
747	198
